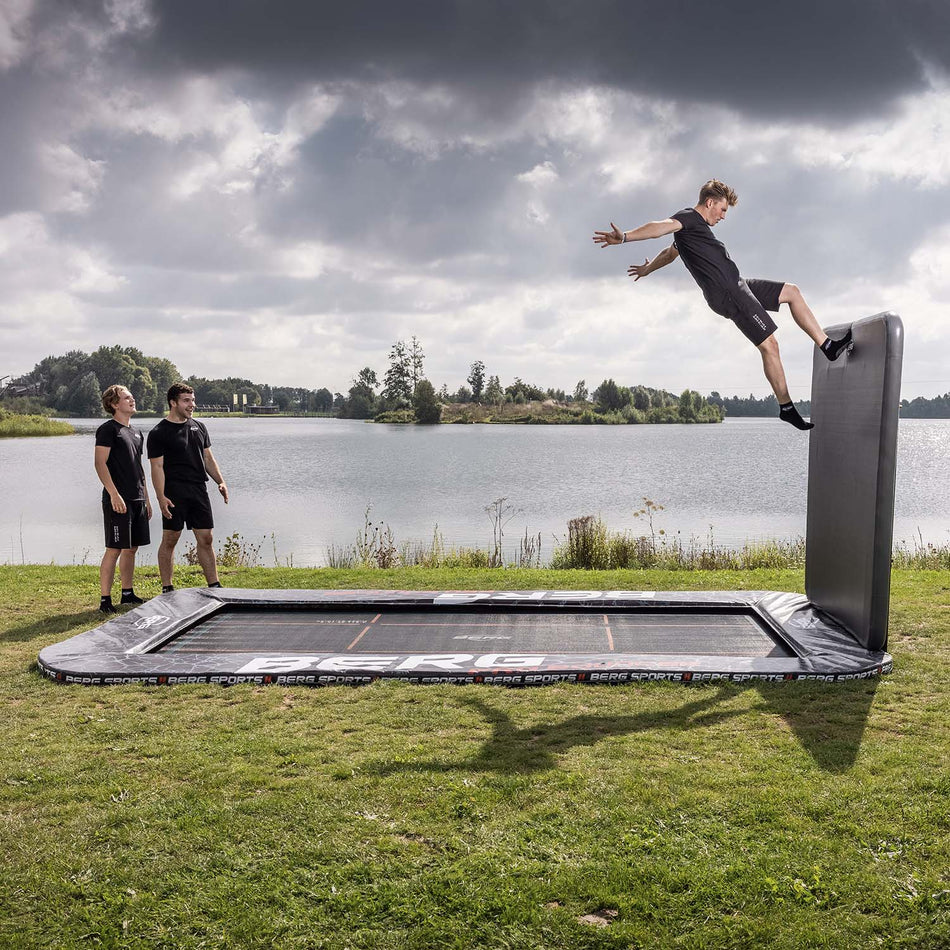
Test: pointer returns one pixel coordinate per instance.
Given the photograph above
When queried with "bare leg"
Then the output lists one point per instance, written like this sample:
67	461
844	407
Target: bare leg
107	571
801	313
166	556
127	567
774	371
203	539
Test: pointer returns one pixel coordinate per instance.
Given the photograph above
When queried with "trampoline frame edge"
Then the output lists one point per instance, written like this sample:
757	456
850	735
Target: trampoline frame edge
125	649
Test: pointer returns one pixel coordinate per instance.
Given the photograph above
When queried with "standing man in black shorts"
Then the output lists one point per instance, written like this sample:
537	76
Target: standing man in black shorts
125	506
743	302
179	450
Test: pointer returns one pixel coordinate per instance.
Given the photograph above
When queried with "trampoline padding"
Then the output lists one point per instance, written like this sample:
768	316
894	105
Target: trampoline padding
506	637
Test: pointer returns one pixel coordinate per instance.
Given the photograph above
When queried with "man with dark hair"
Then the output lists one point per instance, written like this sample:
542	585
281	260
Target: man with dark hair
126	508
745	302
179	449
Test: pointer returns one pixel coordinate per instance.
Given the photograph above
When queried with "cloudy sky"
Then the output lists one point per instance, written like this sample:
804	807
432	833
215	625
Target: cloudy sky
281	189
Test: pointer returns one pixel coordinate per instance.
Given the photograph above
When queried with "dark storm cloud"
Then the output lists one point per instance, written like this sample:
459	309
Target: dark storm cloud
814	57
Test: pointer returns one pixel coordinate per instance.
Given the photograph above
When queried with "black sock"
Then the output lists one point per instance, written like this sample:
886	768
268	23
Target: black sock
215	584
105	604
128	597
832	348
788	413
167	588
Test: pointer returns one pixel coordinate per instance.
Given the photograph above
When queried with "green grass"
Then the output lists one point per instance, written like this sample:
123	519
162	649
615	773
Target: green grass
395	816
15	425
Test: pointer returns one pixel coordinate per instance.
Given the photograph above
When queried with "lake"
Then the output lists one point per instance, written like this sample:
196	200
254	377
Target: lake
299	485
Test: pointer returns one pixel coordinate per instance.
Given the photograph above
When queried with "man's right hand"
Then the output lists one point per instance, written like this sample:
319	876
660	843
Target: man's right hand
609	238
118	503
166	504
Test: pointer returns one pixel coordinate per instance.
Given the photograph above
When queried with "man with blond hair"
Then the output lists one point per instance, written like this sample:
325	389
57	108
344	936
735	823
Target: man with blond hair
745	302
126	508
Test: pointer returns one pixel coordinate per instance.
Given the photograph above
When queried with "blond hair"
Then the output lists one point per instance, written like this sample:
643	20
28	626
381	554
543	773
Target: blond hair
717	190
111	397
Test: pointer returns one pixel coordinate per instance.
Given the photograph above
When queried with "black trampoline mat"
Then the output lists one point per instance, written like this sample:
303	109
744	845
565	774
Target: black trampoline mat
277	631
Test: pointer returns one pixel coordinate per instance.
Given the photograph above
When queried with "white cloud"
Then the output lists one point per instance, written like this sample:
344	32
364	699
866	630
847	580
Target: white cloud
910	143
14	31
540	175
222	140
76	179
269	239
130	16
43	285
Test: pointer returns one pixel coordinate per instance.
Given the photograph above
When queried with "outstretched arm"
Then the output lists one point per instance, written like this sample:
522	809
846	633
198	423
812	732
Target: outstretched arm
645	232
666	256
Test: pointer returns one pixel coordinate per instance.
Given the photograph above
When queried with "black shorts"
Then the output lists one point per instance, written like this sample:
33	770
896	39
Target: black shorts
126	531
746	307
192	506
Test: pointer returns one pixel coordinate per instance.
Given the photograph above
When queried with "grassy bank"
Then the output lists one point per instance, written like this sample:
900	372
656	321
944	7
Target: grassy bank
395	816
16	425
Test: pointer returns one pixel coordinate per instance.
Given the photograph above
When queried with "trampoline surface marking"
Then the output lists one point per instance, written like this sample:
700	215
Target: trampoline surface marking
268	633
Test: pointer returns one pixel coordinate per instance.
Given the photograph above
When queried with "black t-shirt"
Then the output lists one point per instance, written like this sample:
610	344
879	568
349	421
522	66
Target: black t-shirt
182	446
125	459
705	258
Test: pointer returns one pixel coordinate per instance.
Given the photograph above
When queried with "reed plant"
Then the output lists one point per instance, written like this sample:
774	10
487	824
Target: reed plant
592	546
921	555
234	551
15	425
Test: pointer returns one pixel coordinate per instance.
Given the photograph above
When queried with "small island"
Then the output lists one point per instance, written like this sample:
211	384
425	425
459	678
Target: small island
618	405
14	425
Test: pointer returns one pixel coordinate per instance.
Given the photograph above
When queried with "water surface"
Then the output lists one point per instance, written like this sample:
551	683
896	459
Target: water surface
307	483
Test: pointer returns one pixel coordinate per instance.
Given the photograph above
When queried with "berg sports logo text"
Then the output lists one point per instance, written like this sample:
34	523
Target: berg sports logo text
144	623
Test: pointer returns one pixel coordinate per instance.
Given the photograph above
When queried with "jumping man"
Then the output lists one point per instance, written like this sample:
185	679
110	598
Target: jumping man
743	302
179	449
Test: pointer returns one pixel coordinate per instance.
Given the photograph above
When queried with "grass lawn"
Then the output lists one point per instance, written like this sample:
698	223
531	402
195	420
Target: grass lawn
396	816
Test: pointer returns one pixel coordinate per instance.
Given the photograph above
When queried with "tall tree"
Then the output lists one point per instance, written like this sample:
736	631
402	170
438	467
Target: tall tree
416	358
361	399
368	378
398	381
425	404
494	394
476	379
610	397
86	396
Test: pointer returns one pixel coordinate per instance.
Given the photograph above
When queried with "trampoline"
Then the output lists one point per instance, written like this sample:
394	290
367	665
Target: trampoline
837	631
523	638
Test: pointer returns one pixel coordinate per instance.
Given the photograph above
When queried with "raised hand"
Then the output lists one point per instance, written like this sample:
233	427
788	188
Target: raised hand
609	238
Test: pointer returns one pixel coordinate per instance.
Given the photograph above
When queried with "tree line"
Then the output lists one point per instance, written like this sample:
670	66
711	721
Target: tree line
71	385
920	408
750	406
403	389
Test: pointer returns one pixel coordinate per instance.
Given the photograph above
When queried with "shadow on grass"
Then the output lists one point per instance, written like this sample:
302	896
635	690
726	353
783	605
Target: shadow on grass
51	629
828	719
829	727
511	749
